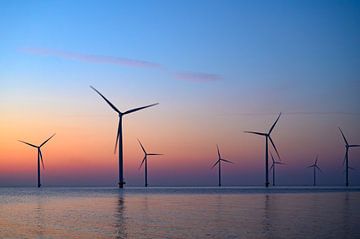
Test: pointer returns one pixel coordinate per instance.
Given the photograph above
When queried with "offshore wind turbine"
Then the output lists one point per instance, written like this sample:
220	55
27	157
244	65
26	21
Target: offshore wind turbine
274	162
40	157
119	136
315	167
346	158
267	139
145	161
218	162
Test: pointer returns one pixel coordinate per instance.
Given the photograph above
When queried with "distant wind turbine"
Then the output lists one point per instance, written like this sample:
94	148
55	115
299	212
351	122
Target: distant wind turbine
346	158
145	161
267	138
40	157
274	162
119	137
218	162
315	167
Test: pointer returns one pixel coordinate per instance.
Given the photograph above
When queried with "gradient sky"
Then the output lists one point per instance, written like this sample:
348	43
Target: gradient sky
217	68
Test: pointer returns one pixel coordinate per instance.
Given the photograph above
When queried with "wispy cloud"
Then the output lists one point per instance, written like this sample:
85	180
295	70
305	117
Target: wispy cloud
121	61
197	76
91	58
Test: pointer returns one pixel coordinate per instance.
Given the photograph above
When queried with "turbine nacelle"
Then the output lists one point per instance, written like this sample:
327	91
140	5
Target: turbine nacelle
220	158
145	154
268	135
315	164
121	114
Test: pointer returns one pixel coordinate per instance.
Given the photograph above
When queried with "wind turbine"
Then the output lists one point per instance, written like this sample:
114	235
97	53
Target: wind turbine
267	138
119	137
315	167
40	157
346	158
145	161
219	163
274	162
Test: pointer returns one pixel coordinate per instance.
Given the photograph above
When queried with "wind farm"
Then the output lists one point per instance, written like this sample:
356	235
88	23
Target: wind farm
218	110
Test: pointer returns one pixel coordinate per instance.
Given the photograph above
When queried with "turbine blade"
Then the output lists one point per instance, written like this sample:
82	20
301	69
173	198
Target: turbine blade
272	127
228	161
272	142
41	159
117	136
46	140
310	166
254	132
344	159
272	166
142	162
111	105
352	168
154	154
354	146
318	168
316	160
277	162
346	142
140	108
218	151
215	163
142	146
272	158
28	144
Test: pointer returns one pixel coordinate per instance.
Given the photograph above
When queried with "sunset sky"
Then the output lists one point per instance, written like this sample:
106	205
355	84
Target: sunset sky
217	68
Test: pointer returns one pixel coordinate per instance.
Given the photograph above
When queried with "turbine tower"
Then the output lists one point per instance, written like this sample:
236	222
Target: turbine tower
274	162
267	138
219	163
40	157
119	137
315	167
346	158
145	161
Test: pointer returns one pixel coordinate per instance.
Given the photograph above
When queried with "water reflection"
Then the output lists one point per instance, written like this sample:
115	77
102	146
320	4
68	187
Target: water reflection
99	213
120	217
345	215
39	217
266	220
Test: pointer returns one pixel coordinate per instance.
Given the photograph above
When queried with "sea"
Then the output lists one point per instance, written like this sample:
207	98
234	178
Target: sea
180	212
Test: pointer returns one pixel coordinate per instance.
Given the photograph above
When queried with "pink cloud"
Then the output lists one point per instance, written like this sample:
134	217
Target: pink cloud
197	76
91	58
121	61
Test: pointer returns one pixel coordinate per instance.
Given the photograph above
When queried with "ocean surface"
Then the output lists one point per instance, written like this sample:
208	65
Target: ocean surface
247	212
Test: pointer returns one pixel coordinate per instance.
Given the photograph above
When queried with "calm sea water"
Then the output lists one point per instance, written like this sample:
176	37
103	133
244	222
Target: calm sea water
179	213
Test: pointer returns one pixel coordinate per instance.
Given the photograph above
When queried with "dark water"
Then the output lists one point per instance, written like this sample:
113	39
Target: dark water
179	213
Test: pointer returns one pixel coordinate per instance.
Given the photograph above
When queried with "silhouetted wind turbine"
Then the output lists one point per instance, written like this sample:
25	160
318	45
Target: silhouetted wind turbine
267	138
315	167
40	157
274	162
119	137
219	163
346	158
145	161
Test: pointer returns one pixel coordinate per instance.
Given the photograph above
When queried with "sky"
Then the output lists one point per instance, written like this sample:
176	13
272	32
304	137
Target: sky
216	68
